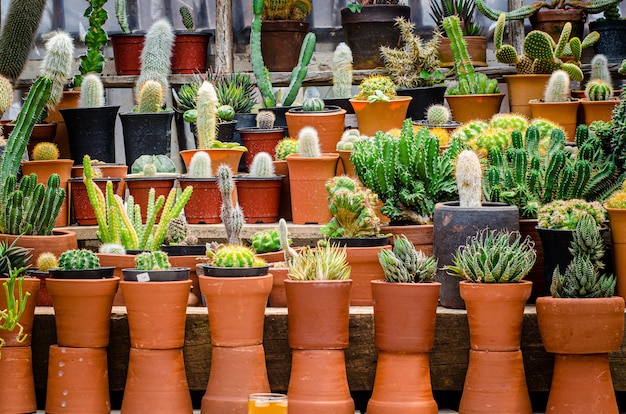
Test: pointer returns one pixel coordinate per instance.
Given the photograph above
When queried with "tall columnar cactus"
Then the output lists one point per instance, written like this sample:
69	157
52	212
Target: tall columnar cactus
260	72
558	87
91	92
122	17
231	215
187	18
200	165
598	90
155	260
55	72
156	55
18	33
78	259
309	143
6	94
151	97
600	69
265	119
469	179
262	165
342	71
46	151
206	123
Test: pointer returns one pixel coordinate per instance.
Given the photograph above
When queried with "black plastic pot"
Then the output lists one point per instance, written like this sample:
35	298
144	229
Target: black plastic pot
91	131
104	272
195	250
234	271
612	42
279	113
343	103
359	242
146	134
168	275
422	99
226	131
452	225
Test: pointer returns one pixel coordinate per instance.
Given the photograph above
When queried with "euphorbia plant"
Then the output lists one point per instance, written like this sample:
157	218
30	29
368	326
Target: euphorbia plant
95	39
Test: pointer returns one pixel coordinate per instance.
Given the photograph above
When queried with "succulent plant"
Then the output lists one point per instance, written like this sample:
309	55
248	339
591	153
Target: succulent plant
464	9
565	214
437	114
186	17
78	259
45	151
200	165
617	199
225	113
468	179
231	215
236	255
47	261
600	69
16	299
122	16
179	234
558	87
149	170
265	119
381	83
92	61
156	57
494	256
348	138
598	90
154	260
526	11
313	104
285	242
342	71
6	94
206	123
265	241
322	263
309	143
285	147
111	248
405	264
91	91
150	98
13	256
286	9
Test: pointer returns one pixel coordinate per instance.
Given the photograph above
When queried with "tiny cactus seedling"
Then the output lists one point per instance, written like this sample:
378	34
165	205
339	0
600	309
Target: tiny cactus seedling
437	115
265	120
468	179
91	92
111	248
558	88
598	90
155	260
200	165
47	261
262	165
309	143
285	147
45	151
78	260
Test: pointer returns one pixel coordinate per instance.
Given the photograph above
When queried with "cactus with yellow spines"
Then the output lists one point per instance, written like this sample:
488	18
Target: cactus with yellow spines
598	90
236	255
373	83
78	259
206	123
509	121
150	97
286	9
47	261
91	91
45	151
285	147
342	71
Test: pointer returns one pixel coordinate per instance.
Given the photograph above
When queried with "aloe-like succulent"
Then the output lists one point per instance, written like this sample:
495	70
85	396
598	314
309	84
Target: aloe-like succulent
322	263
405	264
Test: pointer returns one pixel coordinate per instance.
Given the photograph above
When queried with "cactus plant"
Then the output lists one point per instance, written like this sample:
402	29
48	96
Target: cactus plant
151	96
236	256
231	215
92	61
405	264
265	120
16	300
438	115
322	263
91	92
468	179
598	90
558	87
285	147
206	124
342	71
121	15
309	143
149	170
262	165
200	165
285	242
600	69
313	105
286	9
225	112
111	248
156	56
6	94
265	241
179	234
155	260
186	17
565	214
383	84
526	11
47	261
78	259
46	151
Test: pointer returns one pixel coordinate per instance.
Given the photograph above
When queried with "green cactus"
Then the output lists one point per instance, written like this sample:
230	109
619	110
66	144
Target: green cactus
18	33
260	72
600	69
91	92
78	259
313	105
122	17
149	170
558	87
151	96
285	242
598	90
438	115
407	173
177	231
156	56
187	18
265	241
405	264
231	215
236	256
285	147
309	143
342	71
348	138
92	61
468	179
47	261
200	165
262	165
265	119
45	151
206	124
155	260
526	11
225	113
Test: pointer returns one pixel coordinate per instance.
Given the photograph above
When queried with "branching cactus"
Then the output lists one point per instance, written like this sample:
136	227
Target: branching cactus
156	56
265	119
151	96
78	259
91	92
155	260
262	165
598	90
206	124
469	179
200	165
231	215
285	147
558	87
342	71
309	143
45	151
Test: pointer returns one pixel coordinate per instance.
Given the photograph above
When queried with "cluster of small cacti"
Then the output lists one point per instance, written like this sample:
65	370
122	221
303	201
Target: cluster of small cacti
156	57
236	256
469	179
47	261
528	10
348	138
265	241
78	259
200	165
582	278
313	104
309	143
91	91
265	119
509	121
231	215
285	147
286	9
186	17
179	234
262	165
342	71
438	115
558	87
45	151
405	264
381	83
353	209
154	260
206	122
565	214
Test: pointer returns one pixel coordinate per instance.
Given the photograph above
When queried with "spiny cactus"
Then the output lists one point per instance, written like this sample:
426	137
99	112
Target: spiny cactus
225	112
200	165
6	94
91	91
236	256
313	105
286	9
156	260
177	231
78	259
47	261
122	17
57	65
373	83
206	124
265	241
285	147
405	264
438	115
45	151
156	56
187	18
231	215
342	71
600	69
285	242
309	143
111	248
149	170
565	214
598	90
262	165
558	87
265	119
468	179
348	138
150	97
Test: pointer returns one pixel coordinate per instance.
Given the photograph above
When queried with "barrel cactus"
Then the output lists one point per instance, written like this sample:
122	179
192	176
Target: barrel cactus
78	259
45	151
598	90
285	147
156	260
265	120
236	256
313	105
265	241
47	261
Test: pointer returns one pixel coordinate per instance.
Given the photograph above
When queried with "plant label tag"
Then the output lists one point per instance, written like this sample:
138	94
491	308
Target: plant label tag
143	277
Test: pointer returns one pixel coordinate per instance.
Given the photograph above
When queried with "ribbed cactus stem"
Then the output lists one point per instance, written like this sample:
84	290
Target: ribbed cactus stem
231	215
57	65
78	259
262	165
600	69
342	71
91	92
309	143
200	165
469	179
187	18
437	115
122	17
156	55
558	87
265	119
150	97
598	90
206	123
462	62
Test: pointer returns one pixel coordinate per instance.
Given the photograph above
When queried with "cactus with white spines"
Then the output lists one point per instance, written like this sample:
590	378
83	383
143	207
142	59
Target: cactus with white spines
156	55
91	92
265	119
231	214
438	115
558	87
309	143
150	97
342	71
206	123
469	179
600	69
200	165
262	165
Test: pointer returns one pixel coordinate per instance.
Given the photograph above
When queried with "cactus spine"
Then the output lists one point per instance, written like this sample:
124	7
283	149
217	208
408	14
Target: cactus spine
78	260
57	65
206	124
285	147
342	71
265	120
122	17
598	90
600	69
468	179
111	248
309	143
558	87
231	215
156	55
47	261
200	165
91	92
151	97
262	165
45	151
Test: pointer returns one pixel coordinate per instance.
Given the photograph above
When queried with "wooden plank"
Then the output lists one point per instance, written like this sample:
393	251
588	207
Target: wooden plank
224	36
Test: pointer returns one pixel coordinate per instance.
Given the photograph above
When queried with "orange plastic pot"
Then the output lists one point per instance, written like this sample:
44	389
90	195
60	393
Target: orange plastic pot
380	116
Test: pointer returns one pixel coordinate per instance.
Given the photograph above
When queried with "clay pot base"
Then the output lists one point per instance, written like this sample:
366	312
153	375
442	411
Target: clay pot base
17	380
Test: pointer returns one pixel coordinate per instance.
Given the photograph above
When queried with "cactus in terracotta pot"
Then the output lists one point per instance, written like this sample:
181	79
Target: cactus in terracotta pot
155	260
285	147
265	120
405	264
308	143
558	87
231	215
78	259
598	90
45	151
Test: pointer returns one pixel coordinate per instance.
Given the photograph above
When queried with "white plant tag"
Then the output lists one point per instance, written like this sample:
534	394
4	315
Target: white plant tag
143	277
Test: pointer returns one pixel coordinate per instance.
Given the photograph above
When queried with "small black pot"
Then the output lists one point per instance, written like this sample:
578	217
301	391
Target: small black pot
612	42
423	98
359	241
195	250
91	131
343	103
146	134
234	271
168	275
104	272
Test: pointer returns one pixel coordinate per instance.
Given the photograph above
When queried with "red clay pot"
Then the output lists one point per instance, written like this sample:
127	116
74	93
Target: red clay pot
284	209
58	242
127	49
365	268
205	201
280	43
259	198
82	211
278	297
120	261
16	376
45	132
260	140
190	50
139	187
108	171
228	156
328	124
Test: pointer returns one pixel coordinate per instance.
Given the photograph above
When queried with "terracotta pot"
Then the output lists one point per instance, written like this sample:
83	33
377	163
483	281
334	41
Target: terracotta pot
581	333
522	89
466	108
127	49
563	114
281	41
45	132
380	116
58	242
16	375
308	177
598	110
284	209
139	187
421	235
205	201
476	47
10	338
259	198
108	171
156	313
44	169
69	99
189	53
328	124
82	309
78	381
120	261
156	382
365	267
552	21
278	297
190	262
617	222
230	157
346	167
82	211
260	140
404	332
